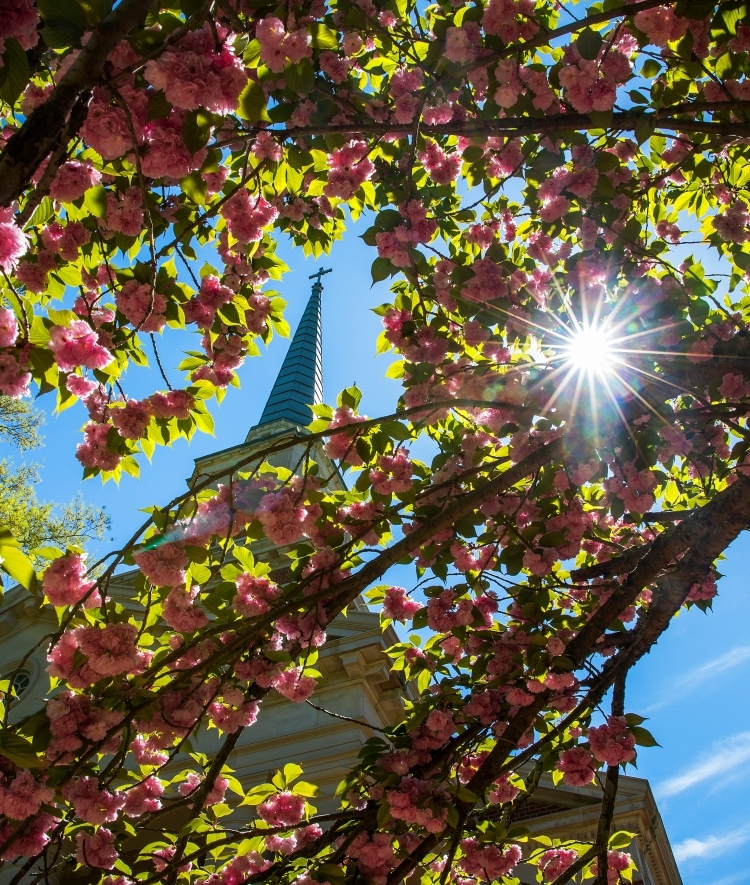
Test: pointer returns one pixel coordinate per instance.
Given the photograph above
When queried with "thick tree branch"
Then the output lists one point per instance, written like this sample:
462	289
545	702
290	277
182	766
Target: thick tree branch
42	130
625	121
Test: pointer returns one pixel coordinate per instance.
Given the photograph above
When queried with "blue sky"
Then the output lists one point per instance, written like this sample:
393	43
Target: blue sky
691	686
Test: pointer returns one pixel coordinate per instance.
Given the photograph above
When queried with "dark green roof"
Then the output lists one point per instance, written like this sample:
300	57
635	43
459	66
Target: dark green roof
300	381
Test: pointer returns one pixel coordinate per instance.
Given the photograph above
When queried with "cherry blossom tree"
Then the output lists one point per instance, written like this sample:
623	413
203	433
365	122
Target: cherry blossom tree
535	179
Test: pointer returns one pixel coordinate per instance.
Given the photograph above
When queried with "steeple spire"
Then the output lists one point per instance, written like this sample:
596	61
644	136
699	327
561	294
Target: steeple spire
300	381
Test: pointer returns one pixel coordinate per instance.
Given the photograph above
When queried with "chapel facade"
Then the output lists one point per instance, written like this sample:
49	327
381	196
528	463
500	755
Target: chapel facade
358	686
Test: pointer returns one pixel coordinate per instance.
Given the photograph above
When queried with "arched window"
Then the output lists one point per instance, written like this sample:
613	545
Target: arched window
21	681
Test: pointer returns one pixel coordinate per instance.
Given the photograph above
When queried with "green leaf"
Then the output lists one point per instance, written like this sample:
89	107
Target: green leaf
62	317
15	73
17	749
292	771
381	269
323	37
620	840
194	185
650	69
643	737
252	104
473	153
300	78
18	566
196	130
395	370
644	128
96	10
589	43
64	22
158	107
95	200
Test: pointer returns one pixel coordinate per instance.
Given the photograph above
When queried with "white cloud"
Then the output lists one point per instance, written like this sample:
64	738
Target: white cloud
727	661
707	671
742	876
723	758
713	846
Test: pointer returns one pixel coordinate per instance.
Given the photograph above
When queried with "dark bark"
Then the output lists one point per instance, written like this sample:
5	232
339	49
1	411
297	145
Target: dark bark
513	127
44	128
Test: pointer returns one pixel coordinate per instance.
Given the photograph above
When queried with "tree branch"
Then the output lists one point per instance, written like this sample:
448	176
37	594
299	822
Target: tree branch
41	132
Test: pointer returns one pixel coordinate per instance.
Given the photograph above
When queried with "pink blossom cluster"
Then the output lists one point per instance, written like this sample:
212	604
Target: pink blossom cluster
488	861
246	217
125	213
164	564
173	404
144	797
194	73
107	127
13	242
65	581
96	849
19	20
32	840
444	612
375	855
293	685
109	651
393	473
212	295
255	595
349	168
295	841
404	83
634	487
577	766
234	713
92	804
501	18
441	167
732	224
72	181
415	802
239	869
705	590
340	446
555	861
226	353
611	742
489	282
180	611
461	43
398	606
74	719
95	451
78	345
283	517
132	418
23	795
284	809
63	240
142	307
8	327
502	790
661	25
277	47
617	862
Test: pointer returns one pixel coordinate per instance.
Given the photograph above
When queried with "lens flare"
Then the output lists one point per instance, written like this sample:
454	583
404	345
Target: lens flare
591	350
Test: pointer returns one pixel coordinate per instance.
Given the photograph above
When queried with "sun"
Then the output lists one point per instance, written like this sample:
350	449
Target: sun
590	349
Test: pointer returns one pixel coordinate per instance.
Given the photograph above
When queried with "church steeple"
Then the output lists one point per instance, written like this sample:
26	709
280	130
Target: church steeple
300	381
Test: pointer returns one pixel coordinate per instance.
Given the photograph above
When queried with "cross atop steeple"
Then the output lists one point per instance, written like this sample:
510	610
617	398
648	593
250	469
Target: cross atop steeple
317	275
300	380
